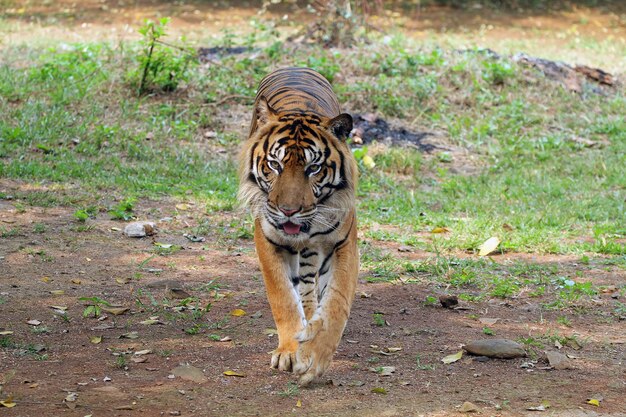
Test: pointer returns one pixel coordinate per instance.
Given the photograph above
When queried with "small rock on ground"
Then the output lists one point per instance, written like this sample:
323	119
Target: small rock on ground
140	229
558	360
496	348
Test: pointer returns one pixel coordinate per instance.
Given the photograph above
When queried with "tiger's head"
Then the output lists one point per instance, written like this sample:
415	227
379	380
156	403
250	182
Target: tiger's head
297	172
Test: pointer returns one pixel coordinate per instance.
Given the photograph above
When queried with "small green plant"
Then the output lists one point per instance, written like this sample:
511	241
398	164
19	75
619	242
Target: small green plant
379	319
431	301
123	210
83	214
161	66
422	367
291	390
504	287
564	321
40	330
194	329
215	337
488	331
530	342
496	72
93	306
120	362
39	228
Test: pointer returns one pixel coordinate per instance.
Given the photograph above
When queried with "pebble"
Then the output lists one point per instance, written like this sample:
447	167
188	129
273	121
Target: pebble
140	229
496	348
558	360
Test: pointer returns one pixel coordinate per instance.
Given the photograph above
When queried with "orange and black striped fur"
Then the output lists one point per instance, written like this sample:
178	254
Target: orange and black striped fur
298	176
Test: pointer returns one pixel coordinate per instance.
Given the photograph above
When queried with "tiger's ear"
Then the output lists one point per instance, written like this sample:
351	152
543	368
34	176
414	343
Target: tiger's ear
263	111
340	126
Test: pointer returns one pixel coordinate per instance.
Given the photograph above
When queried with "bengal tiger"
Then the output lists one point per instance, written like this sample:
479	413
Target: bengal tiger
298	176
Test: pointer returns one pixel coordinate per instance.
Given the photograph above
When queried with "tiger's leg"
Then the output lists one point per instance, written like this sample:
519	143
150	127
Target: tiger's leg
319	339
307	281
283	298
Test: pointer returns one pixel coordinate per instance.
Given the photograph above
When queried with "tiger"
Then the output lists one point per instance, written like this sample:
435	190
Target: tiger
298	177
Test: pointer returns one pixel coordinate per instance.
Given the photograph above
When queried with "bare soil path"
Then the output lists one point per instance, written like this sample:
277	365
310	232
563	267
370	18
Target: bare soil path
40	365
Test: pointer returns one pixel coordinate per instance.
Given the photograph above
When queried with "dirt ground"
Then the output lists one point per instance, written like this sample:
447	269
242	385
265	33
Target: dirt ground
49	259
49	361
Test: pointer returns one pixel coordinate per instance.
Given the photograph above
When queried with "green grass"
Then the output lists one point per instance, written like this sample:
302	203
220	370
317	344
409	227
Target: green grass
72	125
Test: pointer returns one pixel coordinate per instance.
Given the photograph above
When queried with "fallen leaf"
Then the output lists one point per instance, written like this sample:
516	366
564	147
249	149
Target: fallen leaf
116	311
233	373
593	401
238	312
143	352
270	331
150	322
45	279
95	339
6	332
62	308
488	246
488	321
57	292
8	403
440	230
538	408
379	390
225	339
298	403
33	322
182	206
452	358
139	359
71	397
76	281
122	281
468	407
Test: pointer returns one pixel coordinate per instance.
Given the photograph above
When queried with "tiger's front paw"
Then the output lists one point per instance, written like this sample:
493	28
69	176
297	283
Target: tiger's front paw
284	358
312	359
313	327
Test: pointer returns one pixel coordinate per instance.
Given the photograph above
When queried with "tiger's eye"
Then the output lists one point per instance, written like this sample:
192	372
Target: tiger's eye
274	165
314	169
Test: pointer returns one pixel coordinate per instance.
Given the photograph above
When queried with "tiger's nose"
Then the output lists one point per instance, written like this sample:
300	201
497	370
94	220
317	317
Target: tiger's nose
288	211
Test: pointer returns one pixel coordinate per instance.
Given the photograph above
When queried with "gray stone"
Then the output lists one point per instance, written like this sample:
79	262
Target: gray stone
140	229
496	348
189	373
558	360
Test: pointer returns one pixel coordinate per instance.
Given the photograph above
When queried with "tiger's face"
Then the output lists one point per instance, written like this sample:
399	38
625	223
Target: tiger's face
296	172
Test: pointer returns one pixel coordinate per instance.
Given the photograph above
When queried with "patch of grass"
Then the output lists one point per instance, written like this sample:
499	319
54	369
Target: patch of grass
123	210
379	319
290	390
421	366
7	233
488	331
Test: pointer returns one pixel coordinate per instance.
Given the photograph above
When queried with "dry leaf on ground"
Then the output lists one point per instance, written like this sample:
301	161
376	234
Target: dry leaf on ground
452	358
488	246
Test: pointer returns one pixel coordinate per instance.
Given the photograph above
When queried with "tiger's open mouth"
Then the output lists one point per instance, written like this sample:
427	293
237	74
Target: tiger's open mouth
291	228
